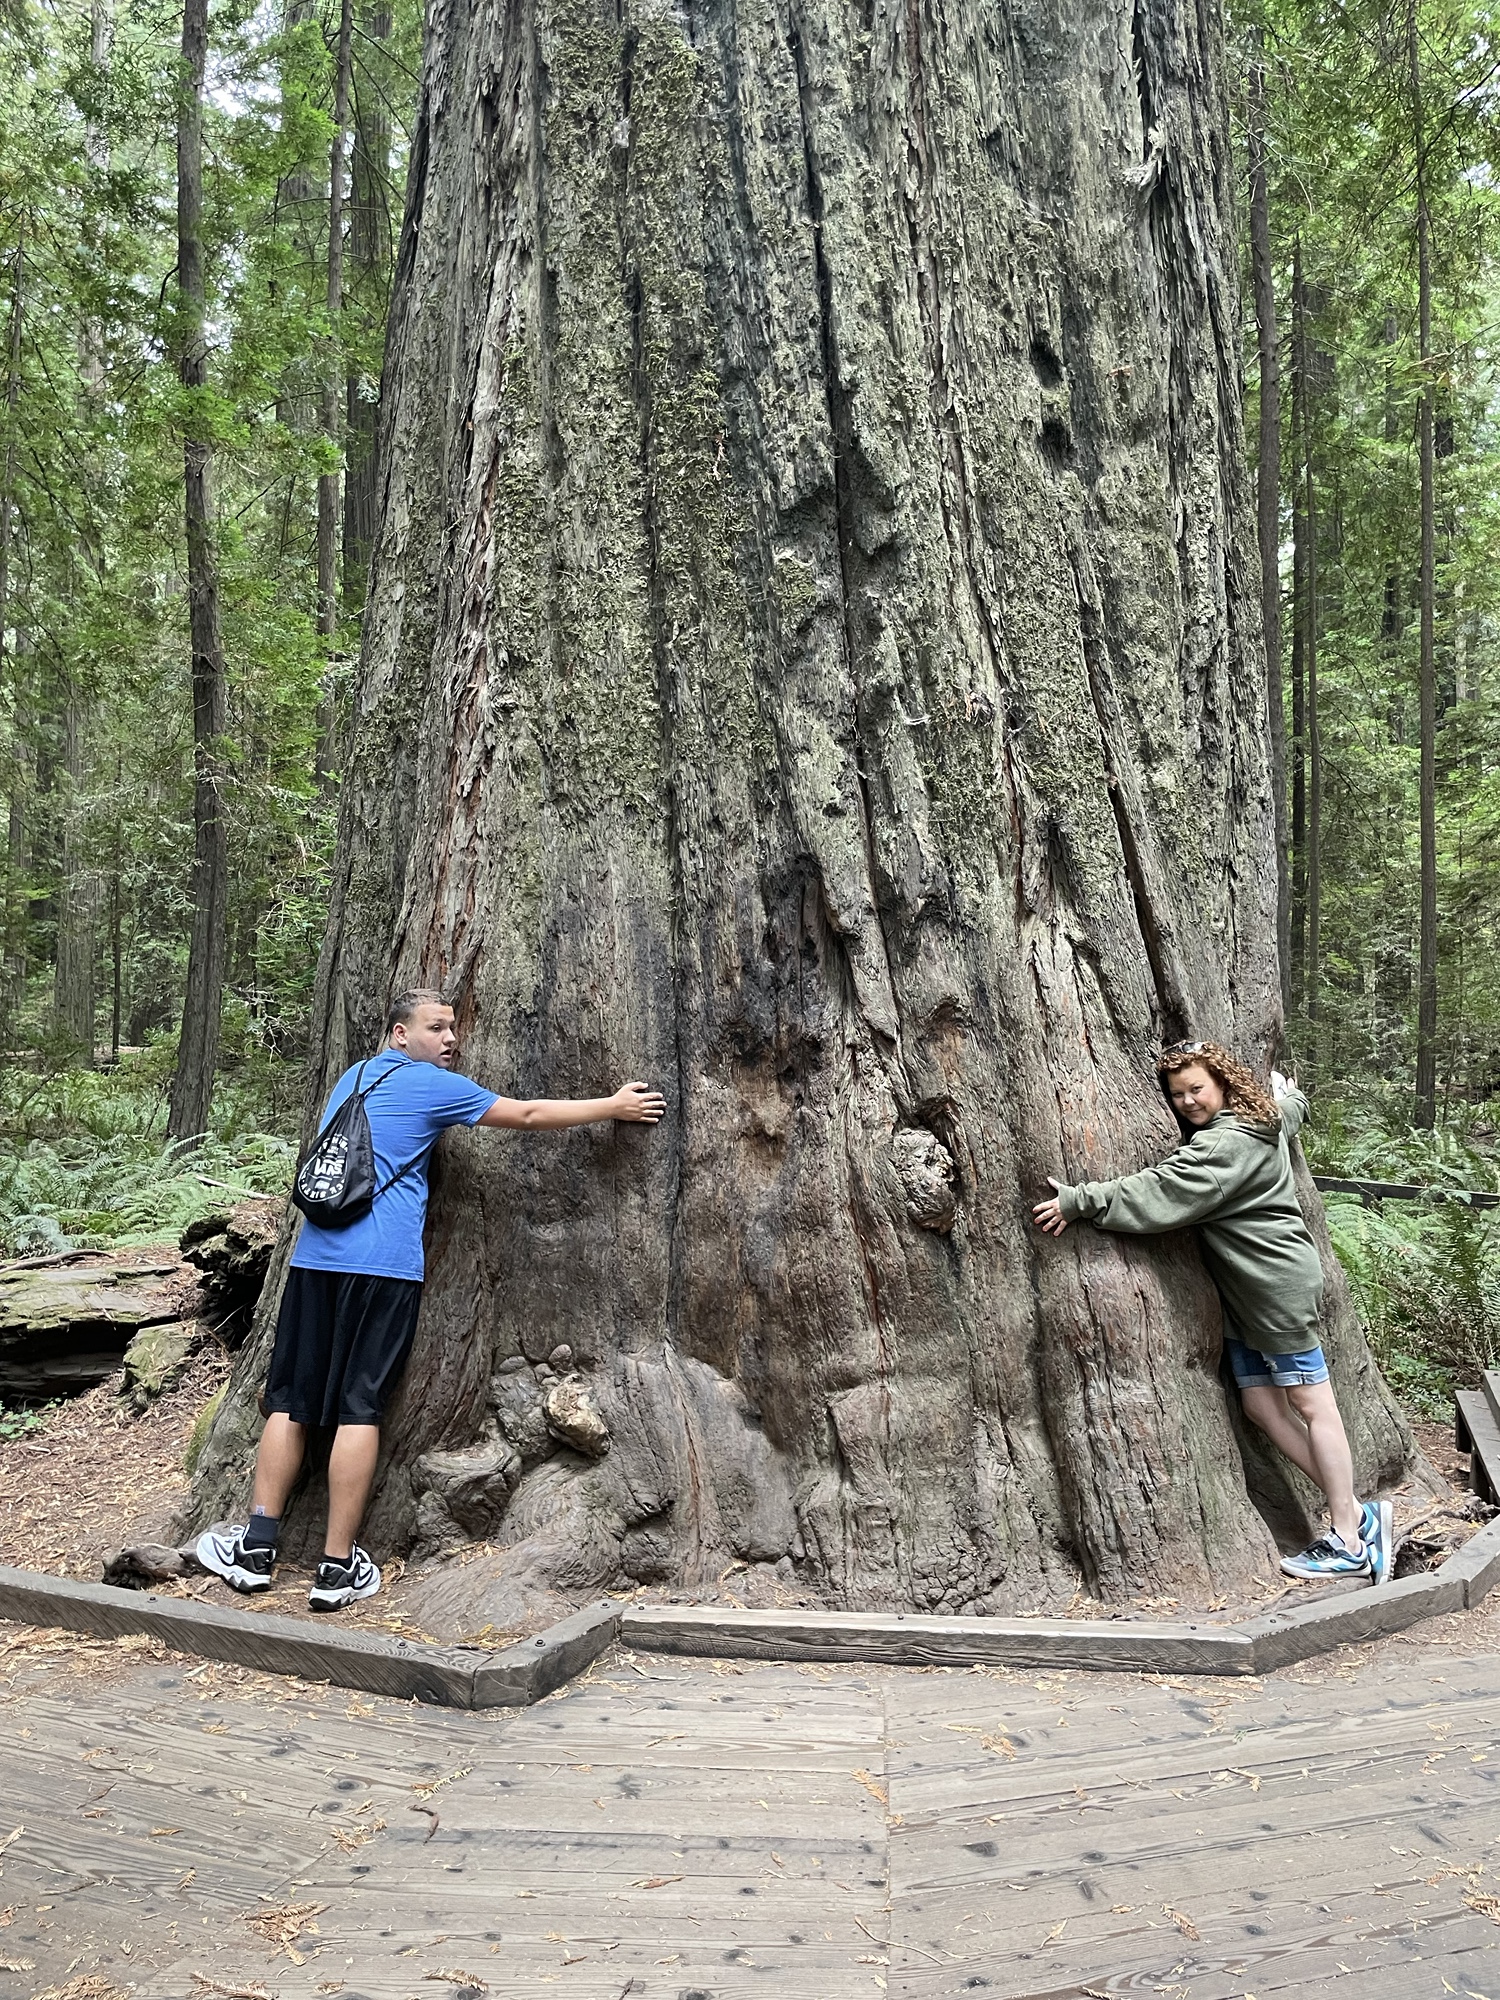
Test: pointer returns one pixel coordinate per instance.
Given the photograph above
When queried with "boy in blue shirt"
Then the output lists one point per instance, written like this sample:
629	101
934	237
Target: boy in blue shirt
349	1310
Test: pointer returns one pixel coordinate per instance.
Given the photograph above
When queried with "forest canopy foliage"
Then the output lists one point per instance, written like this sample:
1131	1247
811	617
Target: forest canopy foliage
1373	329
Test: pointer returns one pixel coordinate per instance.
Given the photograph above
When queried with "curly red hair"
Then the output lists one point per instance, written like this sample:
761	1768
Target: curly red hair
1244	1093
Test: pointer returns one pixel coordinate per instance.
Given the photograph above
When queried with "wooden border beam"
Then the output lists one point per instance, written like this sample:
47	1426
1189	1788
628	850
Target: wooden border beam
452	1676
514	1676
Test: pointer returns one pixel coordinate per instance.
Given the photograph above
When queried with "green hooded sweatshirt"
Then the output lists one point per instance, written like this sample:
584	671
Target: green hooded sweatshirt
1234	1180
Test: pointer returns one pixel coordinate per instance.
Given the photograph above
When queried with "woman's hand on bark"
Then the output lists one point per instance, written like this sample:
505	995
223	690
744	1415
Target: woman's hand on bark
1048	1215
637	1104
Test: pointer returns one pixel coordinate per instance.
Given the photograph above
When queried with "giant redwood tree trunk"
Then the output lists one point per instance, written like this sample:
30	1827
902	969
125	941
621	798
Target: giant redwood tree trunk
813	662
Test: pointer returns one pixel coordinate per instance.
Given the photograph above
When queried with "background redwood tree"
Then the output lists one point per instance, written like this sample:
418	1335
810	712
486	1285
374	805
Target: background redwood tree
813	661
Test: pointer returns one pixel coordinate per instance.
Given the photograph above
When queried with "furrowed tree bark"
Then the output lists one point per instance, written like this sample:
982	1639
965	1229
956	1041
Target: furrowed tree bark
813	659
1424	1111
198	1040
1268	492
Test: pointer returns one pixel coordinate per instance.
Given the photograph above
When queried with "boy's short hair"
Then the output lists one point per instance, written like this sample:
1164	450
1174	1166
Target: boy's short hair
404	1005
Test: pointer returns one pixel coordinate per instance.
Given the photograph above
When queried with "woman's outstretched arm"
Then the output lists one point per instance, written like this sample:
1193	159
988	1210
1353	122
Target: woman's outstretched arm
1185	1188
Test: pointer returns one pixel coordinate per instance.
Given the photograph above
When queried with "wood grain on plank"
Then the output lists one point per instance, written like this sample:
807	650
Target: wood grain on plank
349	1657
920	1640
1286	1636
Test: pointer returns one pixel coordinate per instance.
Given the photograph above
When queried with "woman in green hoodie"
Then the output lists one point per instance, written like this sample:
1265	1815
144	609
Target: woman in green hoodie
1233	1180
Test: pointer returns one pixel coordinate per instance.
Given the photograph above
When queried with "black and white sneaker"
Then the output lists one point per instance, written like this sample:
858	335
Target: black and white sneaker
223	1551
340	1583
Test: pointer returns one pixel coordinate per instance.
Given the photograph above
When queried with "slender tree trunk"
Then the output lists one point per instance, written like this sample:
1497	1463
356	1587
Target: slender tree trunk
1268	495
116	925
1313	999
1425	1107
331	397
1299	641
15	902
297	194
1313	826
77	889
12	425
198	1042
369	265
781	680
78	885
12	947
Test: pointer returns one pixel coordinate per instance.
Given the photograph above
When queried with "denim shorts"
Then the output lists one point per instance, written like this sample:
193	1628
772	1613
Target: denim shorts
1254	1370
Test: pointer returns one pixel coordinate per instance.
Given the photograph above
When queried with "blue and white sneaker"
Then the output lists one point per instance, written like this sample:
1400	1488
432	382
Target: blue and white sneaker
1328	1557
223	1551
1377	1527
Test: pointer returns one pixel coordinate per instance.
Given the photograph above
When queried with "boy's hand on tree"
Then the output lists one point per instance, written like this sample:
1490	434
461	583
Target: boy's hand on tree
1048	1215
637	1104
1282	1086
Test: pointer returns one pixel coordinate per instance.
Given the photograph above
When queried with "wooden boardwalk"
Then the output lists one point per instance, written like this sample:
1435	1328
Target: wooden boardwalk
686	1830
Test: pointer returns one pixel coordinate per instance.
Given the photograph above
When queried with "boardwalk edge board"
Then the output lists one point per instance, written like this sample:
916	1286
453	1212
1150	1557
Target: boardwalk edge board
515	1676
374	1663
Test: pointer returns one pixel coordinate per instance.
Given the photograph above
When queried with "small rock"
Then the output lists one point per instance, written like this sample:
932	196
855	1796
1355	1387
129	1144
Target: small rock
572	1417
561	1358
137	1568
156	1360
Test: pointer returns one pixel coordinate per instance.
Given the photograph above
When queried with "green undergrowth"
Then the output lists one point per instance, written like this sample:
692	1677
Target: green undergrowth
1426	1274
85	1162
20	1421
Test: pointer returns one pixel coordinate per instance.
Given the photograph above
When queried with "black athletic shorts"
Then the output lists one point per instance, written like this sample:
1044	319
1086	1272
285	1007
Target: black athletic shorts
341	1344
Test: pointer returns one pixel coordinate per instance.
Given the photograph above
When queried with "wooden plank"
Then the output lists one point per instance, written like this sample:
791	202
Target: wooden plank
349	1657
1285	1636
1366	1949
1489	1386
1476	1565
1369	1191
918	1640
373	1663
1481	1433
523	1673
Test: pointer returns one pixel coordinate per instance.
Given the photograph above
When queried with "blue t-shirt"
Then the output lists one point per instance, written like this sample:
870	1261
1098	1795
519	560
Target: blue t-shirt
415	1103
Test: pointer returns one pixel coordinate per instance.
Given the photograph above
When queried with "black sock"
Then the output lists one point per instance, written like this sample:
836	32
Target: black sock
262	1531
339	1562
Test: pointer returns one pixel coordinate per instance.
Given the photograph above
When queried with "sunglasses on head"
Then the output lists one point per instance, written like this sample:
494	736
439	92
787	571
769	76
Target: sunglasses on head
1183	1049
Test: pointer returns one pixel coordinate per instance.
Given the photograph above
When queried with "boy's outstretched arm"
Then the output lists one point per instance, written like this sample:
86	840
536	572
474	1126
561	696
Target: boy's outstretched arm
634	1103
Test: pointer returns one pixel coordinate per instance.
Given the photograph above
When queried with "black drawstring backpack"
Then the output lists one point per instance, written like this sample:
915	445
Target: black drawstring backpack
335	1184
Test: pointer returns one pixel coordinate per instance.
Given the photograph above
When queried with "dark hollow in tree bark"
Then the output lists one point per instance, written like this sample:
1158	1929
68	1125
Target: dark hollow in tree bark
813	660
198	1041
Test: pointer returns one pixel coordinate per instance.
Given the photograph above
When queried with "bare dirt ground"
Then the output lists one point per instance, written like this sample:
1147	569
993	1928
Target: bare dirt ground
96	1478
